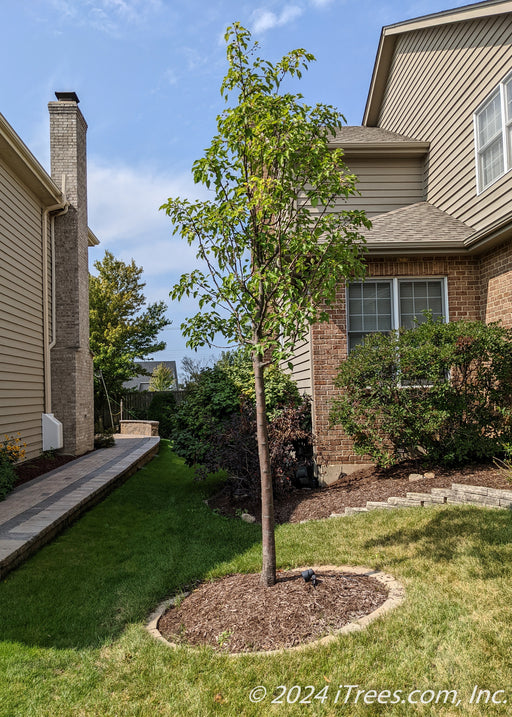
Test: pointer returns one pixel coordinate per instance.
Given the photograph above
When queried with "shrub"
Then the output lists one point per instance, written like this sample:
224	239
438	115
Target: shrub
439	390
215	428
12	449
234	448
216	394
104	440
162	409
7	476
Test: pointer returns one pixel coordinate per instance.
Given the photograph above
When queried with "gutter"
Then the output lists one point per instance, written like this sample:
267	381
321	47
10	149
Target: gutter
422	248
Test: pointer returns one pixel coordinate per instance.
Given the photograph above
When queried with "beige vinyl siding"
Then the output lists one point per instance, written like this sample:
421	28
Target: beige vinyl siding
301	361
384	183
438	78
21	313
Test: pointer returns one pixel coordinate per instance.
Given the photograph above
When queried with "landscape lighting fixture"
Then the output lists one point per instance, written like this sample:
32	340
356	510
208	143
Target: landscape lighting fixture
309	575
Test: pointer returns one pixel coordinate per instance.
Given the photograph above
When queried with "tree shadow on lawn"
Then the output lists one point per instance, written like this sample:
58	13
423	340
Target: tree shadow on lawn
484	535
150	538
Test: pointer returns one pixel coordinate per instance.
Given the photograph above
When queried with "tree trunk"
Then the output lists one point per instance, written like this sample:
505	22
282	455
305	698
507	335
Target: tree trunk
268	572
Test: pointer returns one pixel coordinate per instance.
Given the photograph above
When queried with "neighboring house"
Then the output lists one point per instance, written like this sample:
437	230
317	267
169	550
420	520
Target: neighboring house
46	377
141	381
434	162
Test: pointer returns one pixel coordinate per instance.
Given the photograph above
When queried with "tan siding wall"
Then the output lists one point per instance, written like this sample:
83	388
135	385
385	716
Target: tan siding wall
438	78
334	449
21	315
301	361
385	184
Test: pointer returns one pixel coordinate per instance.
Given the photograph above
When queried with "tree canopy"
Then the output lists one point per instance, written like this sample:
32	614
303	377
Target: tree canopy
162	378
274	239
123	328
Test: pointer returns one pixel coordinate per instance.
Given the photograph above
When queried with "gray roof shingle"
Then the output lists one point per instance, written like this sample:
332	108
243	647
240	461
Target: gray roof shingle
417	223
368	135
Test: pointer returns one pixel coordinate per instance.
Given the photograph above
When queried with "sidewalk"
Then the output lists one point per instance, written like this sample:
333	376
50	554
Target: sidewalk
35	512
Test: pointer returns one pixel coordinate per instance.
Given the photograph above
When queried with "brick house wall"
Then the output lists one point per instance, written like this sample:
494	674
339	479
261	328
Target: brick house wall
496	285
334	450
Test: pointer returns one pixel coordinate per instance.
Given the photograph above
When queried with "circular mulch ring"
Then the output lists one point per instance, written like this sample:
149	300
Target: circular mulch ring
237	615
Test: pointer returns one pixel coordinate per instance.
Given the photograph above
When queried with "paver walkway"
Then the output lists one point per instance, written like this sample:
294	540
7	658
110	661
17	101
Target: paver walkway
35	512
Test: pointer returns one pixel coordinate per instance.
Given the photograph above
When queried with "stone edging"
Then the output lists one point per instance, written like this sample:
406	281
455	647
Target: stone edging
396	595
458	494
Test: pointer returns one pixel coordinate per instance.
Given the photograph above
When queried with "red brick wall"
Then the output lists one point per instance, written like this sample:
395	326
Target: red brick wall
496	285
329	340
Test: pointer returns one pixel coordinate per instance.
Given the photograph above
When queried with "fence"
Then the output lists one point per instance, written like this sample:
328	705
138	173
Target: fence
134	405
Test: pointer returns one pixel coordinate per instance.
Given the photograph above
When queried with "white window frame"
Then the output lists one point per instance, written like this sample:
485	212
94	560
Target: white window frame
506	134
395	300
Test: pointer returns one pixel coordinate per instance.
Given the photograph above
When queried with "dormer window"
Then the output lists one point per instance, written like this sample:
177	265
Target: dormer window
493	135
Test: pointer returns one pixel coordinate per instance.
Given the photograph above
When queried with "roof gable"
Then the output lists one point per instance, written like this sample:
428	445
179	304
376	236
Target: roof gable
389	34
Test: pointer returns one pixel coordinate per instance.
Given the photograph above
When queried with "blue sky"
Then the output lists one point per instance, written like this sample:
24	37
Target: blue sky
148	73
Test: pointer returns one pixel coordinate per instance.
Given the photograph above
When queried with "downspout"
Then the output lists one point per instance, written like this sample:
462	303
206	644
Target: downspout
54	210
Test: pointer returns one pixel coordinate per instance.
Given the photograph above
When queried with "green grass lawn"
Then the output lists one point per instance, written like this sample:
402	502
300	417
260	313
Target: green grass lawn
72	618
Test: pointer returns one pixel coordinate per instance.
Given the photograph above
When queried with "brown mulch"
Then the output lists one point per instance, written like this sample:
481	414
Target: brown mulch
357	488
238	614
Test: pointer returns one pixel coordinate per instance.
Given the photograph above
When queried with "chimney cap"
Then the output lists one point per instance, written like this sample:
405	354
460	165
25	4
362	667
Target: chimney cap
67	97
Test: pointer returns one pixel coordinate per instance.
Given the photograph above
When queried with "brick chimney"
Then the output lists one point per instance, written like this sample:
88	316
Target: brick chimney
71	360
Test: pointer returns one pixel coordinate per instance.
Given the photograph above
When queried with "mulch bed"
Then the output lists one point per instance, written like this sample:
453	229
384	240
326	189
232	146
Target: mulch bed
237	614
355	489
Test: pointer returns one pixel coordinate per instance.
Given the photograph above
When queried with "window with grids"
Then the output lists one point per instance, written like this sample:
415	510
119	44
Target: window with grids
385	305
493	134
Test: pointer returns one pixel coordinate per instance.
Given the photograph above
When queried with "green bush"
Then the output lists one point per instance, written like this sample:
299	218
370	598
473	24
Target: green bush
7	476
439	390
216	394
162	409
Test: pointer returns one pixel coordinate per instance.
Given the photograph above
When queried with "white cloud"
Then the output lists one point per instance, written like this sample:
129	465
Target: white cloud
107	15
124	214
267	20
124	201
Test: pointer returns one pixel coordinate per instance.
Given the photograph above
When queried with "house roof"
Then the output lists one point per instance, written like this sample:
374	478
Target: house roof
15	153
92	239
374	140
417	227
357	134
390	33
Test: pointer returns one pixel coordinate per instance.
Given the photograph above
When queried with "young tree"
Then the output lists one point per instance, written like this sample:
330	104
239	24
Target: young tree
273	247
122	327
162	378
